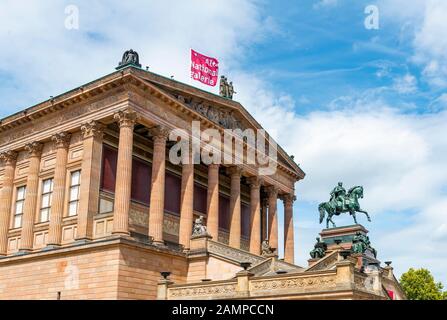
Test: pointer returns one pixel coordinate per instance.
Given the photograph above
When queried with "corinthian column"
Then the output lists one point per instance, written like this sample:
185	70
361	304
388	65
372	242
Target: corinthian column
92	133
126	120
235	207
288	228
186	202
255	214
9	159
272	192
61	142
156	209
34	150
264	203
212	201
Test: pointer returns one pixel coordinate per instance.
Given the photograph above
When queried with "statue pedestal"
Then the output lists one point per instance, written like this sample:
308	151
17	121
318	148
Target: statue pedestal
344	234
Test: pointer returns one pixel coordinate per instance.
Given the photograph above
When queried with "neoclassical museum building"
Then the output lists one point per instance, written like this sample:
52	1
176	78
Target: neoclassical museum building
92	208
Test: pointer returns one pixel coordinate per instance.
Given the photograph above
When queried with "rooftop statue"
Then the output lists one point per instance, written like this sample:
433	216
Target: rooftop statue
130	57
226	89
341	202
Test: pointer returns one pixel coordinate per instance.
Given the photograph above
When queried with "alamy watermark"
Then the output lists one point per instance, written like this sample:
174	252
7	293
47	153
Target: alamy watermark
372	20
72	17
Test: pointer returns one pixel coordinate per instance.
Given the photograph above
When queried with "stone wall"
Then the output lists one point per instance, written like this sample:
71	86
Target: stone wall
105	270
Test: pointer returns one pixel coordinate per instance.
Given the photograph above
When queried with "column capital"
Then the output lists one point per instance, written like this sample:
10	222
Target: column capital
288	198
214	166
234	171
159	133
34	149
9	157
126	117
61	140
92	129
255	182
272	191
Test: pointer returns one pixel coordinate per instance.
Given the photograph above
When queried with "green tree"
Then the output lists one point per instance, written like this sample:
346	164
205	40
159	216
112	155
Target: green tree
420	285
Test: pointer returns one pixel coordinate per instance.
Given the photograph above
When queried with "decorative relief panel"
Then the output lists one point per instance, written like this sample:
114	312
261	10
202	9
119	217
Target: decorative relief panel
171	224
13	244
221	116
227	289
293	283
233	253
138	216
40	239
69	233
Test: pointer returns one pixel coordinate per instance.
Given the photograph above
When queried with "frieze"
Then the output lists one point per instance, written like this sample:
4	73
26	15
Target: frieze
325	263
293	283
221	116
227	289
232	253
55	119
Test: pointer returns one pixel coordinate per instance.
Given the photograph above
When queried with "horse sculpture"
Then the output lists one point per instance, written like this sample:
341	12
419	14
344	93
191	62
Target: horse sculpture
349	204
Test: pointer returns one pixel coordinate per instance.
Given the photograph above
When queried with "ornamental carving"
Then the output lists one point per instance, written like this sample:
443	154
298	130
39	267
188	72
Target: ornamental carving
159	133
216	290
223	117
233	253
9	157
61	140
93	129
288	199
326	263
272	191
126	118
34	149
293	283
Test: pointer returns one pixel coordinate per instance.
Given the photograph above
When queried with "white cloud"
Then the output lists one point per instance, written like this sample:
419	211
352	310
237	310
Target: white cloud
405	84
325	4
424	24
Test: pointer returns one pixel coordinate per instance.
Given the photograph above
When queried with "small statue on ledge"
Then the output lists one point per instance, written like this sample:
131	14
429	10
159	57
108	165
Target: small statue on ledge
319	250
266	249
199	228
361	243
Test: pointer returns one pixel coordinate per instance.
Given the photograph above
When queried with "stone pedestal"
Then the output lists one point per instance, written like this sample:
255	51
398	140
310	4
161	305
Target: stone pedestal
345	235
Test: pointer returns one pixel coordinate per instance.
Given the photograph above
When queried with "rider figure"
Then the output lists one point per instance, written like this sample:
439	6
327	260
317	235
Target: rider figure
338	195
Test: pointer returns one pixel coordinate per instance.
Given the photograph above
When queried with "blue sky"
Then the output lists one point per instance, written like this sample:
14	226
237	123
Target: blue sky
367	107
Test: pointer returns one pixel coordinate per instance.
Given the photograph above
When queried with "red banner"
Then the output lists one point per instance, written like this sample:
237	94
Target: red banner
204	69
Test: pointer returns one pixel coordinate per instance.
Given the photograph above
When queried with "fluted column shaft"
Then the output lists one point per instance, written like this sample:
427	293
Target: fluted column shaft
32	186
186	204
9	159
156	209
289	250
213	201
273	217
235	207
61	142
123	184
255	215
92	133
264	228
